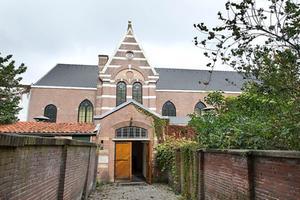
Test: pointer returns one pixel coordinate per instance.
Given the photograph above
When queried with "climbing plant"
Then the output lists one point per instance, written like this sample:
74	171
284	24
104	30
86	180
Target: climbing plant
166	160
158	123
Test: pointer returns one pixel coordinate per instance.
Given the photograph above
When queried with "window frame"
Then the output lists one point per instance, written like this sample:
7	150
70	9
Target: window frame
85	111
198	111
141	92
117	87
166	109
131	132
47	109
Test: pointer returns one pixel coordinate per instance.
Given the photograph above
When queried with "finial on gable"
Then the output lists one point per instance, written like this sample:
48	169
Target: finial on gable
129	25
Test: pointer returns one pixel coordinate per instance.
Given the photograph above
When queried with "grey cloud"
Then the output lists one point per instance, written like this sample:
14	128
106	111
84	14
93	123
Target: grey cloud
44	32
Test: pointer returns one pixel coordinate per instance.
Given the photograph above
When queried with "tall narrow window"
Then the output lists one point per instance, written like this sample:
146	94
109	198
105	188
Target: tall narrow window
85	112
169	109
199	107
121	93
137	92
50	111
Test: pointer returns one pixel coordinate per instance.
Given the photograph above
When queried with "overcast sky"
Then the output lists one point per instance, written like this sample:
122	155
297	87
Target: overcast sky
42	33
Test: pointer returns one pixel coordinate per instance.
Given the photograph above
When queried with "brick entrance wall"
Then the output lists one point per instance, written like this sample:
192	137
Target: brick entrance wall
46	168
243	174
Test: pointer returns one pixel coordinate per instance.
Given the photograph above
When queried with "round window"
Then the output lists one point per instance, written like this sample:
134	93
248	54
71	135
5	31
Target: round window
129	54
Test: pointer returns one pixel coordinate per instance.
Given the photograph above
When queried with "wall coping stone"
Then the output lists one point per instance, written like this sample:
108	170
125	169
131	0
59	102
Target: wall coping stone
258	153
14	140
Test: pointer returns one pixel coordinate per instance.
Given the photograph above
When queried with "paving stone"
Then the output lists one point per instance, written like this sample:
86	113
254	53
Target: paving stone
134	192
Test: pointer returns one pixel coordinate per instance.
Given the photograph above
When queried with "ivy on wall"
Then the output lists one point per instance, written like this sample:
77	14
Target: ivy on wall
166	162
158	124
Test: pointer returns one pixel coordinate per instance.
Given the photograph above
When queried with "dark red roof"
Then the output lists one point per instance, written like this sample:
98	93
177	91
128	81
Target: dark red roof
46	127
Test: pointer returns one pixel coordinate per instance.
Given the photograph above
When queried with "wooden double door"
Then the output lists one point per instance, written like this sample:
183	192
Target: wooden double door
123	160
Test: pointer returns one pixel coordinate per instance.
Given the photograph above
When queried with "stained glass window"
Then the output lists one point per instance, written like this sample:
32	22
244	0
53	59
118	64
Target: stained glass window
85	112
169	109
137	92
121	93
198	107
50	111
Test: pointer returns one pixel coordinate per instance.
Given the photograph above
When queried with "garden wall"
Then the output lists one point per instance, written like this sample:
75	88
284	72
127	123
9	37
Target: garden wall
177	131
46	168
238	174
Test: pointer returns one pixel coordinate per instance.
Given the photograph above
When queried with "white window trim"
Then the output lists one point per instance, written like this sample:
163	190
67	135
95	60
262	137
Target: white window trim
63	87
130	43
149	97
129	86
196	91
154	77
104	75
131	139
145	67
113	66
107	108
124	58
134	51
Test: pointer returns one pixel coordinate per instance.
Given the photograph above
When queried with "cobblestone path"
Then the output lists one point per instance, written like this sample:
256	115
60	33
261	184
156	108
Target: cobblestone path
134	192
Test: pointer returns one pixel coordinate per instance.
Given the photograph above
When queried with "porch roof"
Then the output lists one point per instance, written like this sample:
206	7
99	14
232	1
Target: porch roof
98	117
49	129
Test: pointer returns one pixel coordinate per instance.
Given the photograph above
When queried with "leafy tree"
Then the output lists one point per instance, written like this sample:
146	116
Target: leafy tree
10	89
262	43
249	121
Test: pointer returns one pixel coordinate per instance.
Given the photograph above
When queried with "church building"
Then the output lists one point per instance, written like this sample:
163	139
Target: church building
123	95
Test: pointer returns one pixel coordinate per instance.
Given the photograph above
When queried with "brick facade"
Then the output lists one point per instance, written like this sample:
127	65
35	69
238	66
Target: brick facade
43	168
111	70
66	100
126	116
243	174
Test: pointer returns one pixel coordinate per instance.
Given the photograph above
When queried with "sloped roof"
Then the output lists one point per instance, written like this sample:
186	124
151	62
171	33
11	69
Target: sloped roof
44	128
69	75
190	79
131	101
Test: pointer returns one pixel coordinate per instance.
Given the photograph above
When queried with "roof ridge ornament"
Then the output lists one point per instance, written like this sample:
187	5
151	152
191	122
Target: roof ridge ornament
129	25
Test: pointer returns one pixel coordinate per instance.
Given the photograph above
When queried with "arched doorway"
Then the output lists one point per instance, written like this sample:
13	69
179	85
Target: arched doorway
132	154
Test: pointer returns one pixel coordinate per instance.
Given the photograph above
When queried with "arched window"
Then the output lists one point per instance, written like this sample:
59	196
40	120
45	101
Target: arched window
85	112
169	109
121	93
131	132
50	111
137	92
198	107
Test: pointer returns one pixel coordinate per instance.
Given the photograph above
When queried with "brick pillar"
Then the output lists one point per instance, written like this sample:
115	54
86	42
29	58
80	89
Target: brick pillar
201	193
63	172
177	186
250	166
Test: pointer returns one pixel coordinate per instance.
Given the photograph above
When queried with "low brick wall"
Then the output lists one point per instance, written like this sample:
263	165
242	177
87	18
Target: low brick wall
177	131
46	168
240	174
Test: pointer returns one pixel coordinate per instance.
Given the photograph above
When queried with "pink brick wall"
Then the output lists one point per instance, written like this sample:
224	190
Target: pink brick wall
45	168
277	178
66	100
225	176
243	174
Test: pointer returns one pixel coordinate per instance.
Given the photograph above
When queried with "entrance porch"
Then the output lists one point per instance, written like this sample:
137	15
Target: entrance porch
127	138
132	161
